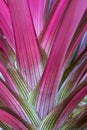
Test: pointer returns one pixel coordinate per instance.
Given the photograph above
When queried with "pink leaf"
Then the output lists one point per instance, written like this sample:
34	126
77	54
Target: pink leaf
73	79
38	11
54	116
83	44
7	50
3	48
72	104
54	3
73	65
51	30
5	24
75	43
10	101
8	79
54	69
12	121
28	53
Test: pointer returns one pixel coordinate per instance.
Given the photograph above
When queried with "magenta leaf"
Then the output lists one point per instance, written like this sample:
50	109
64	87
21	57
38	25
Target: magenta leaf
38	9
52	74
68	105
77	122
28	52
73	79
43	64
3	48
4	126
83	45
51	30
72	66
8	79
5	24
19	82
12	121
54	2
10	101
7	50
76	40
72	104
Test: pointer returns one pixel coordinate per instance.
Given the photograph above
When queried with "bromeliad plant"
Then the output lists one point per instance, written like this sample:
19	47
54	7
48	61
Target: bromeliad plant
43	64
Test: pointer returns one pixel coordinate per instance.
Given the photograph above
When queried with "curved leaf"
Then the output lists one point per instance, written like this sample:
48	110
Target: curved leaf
52	74
11	121
4	126
18	105
8	79
51	30
7	50
10	101
30	111
73	65
83	45
5	24
54	116
80	95
72	80
38	9
20	83
82	27
29	60
77	122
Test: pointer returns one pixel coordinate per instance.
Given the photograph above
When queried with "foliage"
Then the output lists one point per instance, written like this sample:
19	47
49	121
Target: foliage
43	64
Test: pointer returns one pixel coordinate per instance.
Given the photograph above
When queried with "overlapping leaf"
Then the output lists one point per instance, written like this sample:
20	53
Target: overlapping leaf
72	79
47	37
10	101
38	9
62	111
27	48
5	24
54	69
51	30
12	121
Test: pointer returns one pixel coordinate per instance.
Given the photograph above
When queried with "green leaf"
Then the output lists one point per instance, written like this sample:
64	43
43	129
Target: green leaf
50	121
30	111
4	126
72	80
33	97
20	83
29	61
55	66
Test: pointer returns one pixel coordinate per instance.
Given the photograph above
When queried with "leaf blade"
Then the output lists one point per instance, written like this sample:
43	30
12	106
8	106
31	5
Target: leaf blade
11	120
49	88
5	24
29	60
